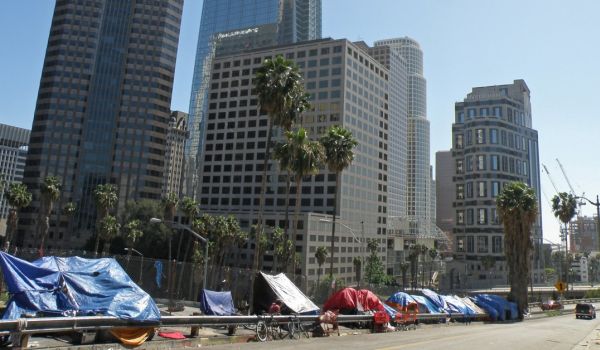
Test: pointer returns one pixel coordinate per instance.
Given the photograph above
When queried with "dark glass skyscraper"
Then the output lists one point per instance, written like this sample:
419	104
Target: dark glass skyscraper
103	108
237	25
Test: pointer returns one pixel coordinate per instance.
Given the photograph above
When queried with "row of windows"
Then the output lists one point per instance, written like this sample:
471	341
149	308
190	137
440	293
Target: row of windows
479	189
485	216
492	136
269	202
467	244
496	163
513	115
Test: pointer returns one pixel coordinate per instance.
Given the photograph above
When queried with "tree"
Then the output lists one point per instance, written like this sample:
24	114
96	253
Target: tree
49	193
190	208
105	196
488	263
109	229
278	85
564	207
404	269
339	145
155	236
321	256
433	254
283	250
357	262
306	157
374	269
413	258
423	250
133	232
18	197
517	209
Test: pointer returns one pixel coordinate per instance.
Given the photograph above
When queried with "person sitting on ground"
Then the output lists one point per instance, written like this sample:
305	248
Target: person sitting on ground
275	308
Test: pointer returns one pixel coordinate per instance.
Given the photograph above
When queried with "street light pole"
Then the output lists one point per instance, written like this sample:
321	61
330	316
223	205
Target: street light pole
195	234
141	263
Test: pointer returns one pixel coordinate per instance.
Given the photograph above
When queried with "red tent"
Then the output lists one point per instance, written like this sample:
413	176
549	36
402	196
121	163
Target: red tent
352	299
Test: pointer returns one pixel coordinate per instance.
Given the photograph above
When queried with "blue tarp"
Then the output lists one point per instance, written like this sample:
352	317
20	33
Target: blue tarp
216	303
502	306
456	305
390	311
429	306
435	298
401	298
54	286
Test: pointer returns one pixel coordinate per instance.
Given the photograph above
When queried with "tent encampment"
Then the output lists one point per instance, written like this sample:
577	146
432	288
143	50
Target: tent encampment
268	288
401	300
73	286
426	306
505	310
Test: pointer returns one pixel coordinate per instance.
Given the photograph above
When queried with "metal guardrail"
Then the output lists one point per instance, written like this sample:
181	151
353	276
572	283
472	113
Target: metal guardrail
569	301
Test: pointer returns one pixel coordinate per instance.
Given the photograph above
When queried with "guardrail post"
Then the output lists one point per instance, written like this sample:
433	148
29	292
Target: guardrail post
195	330
20	340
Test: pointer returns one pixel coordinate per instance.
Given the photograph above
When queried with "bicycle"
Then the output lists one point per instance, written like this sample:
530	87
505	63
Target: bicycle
270	329
296	328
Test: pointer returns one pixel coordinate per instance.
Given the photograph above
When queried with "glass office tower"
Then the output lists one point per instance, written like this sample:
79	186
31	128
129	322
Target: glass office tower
103	109
240	25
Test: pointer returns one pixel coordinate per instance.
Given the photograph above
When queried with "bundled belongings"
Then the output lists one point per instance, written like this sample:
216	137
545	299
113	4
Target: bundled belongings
268	288
407	310
54	286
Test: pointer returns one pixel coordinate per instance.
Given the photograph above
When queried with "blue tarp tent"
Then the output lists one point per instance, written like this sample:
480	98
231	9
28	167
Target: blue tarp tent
390	311
427	304
401	298
435	298
54	286
505	310
216	303
457	306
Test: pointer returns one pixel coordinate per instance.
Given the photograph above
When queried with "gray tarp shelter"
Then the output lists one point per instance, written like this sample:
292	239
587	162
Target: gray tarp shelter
268	288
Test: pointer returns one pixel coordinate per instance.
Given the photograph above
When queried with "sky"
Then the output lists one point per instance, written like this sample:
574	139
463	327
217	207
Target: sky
551	44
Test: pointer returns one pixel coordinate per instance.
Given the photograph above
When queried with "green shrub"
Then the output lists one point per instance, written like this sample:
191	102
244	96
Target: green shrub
593	293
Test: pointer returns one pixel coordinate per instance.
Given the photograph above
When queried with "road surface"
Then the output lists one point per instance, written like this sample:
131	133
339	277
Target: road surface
547	333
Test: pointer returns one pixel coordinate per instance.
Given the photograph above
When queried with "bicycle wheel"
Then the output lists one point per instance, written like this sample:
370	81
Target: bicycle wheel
292	330
301	330
262	331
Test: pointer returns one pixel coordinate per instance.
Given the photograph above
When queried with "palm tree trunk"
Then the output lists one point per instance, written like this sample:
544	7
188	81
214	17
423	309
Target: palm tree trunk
333	214
296	213
261	208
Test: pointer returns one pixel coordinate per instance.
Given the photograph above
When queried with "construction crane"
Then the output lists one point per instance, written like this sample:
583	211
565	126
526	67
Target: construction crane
581	202
550	177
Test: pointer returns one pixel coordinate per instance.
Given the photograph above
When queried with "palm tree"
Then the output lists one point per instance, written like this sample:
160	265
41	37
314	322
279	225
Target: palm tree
339	154
517	209
109	228
404	269
49	193
18	197
105	196
423	250
169	203
413	257
281	95
320	255
304	159
190	208
69	211
564	207
133	232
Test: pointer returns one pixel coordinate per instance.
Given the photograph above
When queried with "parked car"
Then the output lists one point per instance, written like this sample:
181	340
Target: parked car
552	305
585	311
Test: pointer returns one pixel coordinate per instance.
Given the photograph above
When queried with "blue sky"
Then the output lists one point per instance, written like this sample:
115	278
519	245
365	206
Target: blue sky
551	44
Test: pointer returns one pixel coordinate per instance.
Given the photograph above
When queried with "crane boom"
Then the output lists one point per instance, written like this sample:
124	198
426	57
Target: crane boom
550	177
566	178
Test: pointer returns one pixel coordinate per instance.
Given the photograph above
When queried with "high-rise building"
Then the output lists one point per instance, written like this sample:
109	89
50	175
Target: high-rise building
349	88
13	151
444	171
228	26
103	108
493	144
176	136
419	219
583	234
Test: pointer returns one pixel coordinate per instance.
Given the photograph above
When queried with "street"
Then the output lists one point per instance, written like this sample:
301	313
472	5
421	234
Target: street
560	332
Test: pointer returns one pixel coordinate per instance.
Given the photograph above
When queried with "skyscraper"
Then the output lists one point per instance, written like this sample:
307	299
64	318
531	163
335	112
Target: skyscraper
13	151
419	216
247	24
103	108
493	144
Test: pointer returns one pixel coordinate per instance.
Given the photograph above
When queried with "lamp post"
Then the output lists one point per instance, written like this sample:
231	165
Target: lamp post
195	234
362	251
141	264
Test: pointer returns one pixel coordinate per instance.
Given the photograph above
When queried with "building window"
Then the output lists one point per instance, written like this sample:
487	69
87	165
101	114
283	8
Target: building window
482	216
458	141
494	136
469	190
459	166
481	189
460	117
482	244
471	112
469	163
480	162
470	217
469	138
460	217
497	111
494	216
494	162
460	244
495	189
470	244
480	136
460	191
484	112
497	244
